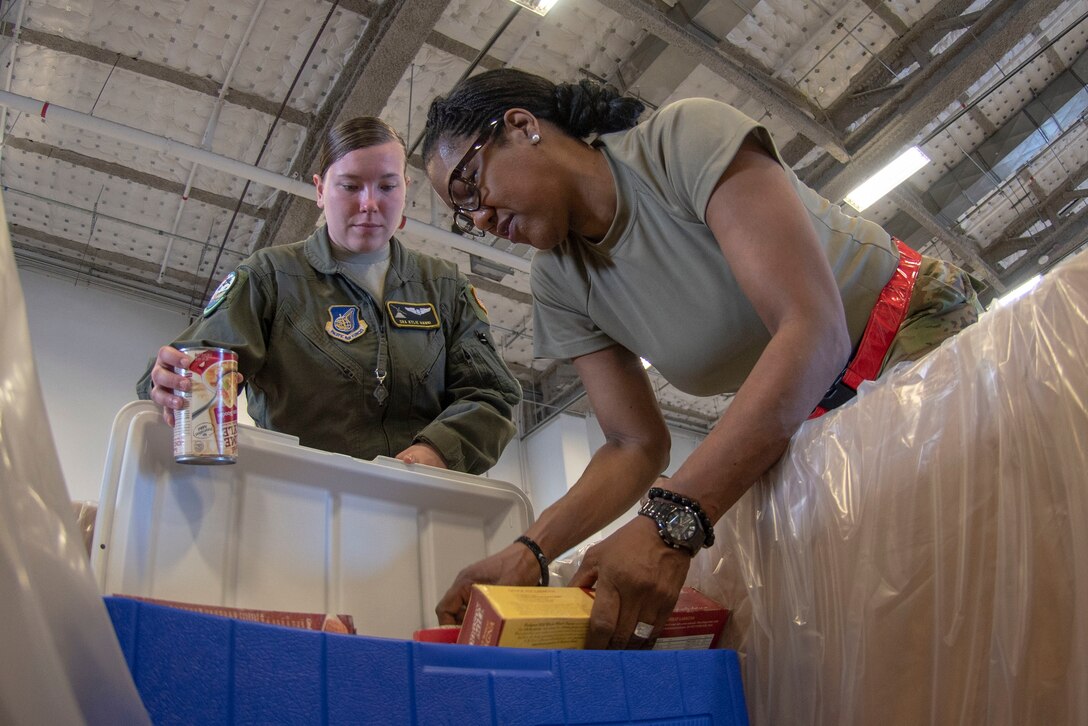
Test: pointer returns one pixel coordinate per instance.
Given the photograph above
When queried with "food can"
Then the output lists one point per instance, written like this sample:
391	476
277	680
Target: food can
206	429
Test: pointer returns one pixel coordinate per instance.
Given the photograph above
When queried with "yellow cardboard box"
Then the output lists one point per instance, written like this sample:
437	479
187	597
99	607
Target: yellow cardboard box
558	617
527	617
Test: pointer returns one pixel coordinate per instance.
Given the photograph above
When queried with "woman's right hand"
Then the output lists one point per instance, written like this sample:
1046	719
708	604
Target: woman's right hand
514	565
164	381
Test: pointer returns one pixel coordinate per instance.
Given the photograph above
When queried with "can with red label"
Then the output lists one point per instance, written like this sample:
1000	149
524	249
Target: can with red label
206	429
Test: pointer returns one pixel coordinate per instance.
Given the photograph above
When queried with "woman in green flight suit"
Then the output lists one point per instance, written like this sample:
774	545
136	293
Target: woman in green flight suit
349	340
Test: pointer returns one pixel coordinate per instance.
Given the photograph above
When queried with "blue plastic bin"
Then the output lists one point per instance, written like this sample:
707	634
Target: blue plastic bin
192	668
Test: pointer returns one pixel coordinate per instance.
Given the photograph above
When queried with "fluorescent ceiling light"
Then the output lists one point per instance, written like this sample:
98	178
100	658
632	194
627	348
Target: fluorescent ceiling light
887	178
645	363
540	7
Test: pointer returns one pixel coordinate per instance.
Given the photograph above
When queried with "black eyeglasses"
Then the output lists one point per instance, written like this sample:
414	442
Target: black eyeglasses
464	192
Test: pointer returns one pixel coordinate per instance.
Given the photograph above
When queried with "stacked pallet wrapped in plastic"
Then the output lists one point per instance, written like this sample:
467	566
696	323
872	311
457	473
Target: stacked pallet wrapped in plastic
920	555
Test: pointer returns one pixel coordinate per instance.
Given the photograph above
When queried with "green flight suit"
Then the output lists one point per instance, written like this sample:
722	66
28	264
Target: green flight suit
309	340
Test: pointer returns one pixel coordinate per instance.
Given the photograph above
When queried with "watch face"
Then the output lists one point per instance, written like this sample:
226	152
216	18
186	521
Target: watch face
681	525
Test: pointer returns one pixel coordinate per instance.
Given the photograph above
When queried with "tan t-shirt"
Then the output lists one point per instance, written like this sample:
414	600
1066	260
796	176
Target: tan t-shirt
667	293
365	269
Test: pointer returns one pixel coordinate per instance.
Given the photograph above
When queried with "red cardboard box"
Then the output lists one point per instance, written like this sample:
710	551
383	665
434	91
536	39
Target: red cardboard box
696	622
437	634
307	621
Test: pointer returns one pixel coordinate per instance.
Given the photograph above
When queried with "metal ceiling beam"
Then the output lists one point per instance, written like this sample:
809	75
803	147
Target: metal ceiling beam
87	256
461	50
129	174
654	69
888	15
241	169
1012	239
960	187
200	84
880	72
32	258
1056	245
793	109
908	201
48	112
392	39
365	8
876	83
928	92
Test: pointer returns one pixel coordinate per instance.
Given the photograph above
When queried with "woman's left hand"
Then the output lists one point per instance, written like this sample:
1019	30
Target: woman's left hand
422	454
638	580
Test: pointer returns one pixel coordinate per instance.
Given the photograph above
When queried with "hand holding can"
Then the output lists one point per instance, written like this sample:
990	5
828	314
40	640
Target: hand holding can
206	429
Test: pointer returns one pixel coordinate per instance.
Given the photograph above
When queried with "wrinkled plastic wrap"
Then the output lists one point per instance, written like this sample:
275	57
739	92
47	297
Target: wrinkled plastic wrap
920	556
59	658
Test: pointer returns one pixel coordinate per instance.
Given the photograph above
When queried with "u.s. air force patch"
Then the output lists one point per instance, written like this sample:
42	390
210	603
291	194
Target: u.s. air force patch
412	314
344	323
220	293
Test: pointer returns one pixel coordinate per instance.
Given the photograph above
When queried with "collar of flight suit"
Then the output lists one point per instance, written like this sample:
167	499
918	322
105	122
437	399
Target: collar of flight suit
402	262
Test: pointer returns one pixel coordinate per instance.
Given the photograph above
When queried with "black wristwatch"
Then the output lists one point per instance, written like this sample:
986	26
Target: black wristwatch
680	521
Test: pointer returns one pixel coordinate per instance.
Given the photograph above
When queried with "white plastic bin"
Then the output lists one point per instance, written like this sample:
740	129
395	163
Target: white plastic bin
292	528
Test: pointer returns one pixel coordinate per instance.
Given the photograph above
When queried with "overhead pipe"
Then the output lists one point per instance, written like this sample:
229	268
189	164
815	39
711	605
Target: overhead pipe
112	129
209	134
11	69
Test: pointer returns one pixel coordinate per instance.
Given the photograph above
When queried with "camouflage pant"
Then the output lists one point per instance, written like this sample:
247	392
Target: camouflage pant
944	302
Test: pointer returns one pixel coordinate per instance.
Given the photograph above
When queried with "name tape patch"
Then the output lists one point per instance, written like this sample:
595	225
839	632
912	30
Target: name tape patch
412	314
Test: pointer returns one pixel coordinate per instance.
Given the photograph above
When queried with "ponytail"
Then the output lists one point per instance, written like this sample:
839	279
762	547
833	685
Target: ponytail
579	109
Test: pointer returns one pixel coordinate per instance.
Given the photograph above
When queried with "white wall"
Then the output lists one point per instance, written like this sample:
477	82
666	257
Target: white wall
92	345
557	453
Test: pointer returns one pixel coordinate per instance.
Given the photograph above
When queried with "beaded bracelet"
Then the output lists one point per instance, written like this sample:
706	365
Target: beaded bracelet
691	504
540	558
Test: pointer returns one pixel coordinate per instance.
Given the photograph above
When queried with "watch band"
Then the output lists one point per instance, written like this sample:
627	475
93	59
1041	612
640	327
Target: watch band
689	503
671	528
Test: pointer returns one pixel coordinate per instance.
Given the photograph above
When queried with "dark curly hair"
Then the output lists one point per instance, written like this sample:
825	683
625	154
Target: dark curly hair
579	109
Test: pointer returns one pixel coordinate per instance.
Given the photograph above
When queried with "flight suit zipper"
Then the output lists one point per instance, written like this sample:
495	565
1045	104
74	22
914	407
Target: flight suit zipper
382	368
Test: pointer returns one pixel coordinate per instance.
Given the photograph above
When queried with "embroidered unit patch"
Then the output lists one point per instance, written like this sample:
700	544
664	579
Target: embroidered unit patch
220	293
345	323
412	314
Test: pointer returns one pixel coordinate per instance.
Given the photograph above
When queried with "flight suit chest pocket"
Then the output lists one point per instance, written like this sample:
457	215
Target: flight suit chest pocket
300	330
427	357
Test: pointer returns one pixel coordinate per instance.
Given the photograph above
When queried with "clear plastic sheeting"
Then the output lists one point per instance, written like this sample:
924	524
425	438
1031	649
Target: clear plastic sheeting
920	556
60	661
85	512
